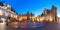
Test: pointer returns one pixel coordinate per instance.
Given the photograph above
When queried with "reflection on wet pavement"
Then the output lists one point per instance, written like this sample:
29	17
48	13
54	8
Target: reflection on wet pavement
47	26
2	26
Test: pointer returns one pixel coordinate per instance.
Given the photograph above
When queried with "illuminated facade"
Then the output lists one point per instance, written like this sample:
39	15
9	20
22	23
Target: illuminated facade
27	16
49	15
6	10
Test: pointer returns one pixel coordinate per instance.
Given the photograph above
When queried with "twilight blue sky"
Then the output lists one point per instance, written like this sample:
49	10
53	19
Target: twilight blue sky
34	6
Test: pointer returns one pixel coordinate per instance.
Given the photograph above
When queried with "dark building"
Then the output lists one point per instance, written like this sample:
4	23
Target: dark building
1	4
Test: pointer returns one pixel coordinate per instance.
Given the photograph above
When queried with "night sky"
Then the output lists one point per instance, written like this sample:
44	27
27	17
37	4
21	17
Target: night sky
35	6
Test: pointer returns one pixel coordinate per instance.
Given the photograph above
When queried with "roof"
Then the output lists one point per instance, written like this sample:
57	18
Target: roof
1	4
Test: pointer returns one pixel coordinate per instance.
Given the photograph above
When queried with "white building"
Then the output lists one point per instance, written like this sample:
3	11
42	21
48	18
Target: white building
6	10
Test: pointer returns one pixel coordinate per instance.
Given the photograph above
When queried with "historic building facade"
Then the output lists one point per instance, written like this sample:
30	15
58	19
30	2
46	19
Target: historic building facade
48	15
6	10
28	16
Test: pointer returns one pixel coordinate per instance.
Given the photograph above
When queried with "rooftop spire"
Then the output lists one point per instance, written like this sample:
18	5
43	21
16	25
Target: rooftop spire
1	3
4	3
53	7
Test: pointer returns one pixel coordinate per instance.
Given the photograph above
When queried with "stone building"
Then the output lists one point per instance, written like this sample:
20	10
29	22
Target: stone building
49	15
28	16
6	10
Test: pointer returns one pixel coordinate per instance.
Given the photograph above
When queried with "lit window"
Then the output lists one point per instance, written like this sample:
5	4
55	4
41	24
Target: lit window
11	15
1	13
6	14
5	7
